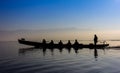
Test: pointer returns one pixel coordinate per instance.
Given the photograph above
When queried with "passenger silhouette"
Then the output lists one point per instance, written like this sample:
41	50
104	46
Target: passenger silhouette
51	45
60	43
95	39
69	42
44	41
76	42
51	42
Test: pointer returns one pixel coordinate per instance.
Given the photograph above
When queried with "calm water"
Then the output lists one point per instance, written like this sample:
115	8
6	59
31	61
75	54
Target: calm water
16	58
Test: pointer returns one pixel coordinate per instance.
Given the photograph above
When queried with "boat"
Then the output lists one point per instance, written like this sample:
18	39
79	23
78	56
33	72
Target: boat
60	44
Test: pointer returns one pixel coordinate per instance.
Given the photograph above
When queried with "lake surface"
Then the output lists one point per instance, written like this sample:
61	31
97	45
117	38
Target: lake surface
17	58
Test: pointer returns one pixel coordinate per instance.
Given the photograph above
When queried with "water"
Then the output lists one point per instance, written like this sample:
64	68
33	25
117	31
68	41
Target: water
14	59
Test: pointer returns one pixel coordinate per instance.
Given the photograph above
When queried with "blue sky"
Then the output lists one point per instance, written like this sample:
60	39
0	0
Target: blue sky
97	15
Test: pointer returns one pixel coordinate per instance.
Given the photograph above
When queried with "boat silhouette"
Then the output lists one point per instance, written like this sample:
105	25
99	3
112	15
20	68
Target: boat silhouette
60	44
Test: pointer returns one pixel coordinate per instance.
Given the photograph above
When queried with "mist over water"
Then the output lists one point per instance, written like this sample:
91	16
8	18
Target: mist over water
17	58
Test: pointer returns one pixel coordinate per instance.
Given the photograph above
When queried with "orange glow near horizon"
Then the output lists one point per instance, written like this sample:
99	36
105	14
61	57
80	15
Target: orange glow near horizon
61	35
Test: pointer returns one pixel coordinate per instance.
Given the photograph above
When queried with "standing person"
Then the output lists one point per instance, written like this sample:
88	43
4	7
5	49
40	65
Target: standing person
95	39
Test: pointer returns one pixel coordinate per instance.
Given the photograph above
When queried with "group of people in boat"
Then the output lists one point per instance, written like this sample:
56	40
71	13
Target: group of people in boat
69	43
60	42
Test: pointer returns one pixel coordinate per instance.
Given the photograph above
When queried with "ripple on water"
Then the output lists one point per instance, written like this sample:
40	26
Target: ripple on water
45	66
83	62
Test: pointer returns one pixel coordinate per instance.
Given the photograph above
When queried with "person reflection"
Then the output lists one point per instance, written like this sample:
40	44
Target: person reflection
76	50
69	50
52	51
60	50
95	54
44	51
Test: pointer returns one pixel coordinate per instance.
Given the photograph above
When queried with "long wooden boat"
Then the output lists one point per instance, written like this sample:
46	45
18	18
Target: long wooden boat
60	45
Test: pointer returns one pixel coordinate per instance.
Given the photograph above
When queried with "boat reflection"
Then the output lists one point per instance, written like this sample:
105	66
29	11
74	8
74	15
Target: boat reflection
25	50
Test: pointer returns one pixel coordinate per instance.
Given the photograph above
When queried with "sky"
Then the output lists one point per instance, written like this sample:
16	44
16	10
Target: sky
59	19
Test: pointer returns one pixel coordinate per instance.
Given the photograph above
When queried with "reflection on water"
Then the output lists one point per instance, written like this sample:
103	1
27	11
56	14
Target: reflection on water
95	53
23	51
15	58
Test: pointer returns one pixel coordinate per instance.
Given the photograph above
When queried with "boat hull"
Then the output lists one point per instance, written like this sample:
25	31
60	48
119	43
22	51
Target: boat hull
48	45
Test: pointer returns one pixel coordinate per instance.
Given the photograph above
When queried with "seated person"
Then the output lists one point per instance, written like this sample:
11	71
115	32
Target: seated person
51	42
69	43
60	43
44	41
76	42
